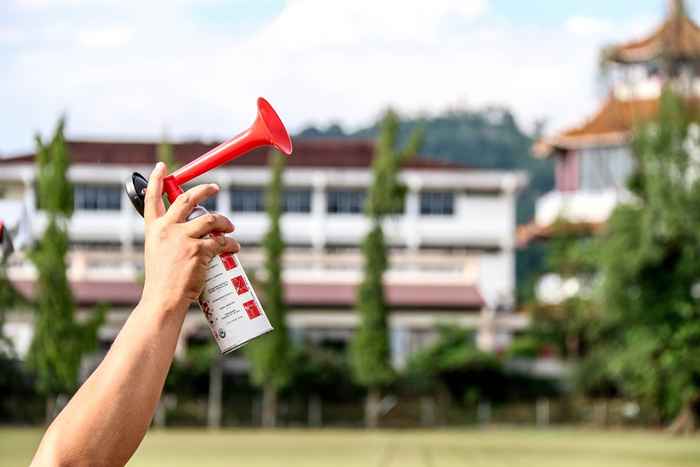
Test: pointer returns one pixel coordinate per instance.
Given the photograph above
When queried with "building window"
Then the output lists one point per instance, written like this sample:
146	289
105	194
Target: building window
296	200
345	201
247	200
604	168
209	204
437	203
98	197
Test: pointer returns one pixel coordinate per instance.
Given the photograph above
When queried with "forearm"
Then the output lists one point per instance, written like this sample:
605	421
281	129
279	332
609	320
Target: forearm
107	418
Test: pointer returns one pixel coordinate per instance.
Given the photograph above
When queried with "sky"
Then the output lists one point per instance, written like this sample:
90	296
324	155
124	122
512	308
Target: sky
192	69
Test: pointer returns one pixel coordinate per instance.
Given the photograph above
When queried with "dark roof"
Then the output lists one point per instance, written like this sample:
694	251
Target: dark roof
121	293
345	153
677	38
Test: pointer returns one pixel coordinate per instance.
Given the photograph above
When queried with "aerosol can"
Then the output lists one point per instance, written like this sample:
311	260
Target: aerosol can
228	301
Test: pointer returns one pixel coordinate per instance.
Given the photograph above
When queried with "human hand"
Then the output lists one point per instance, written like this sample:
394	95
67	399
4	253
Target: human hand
177	251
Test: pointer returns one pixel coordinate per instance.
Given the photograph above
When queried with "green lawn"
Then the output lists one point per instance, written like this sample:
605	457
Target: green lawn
341	448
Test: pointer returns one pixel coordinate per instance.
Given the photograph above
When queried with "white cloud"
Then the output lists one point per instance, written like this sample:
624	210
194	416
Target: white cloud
588	26
44	4
134	68
105	38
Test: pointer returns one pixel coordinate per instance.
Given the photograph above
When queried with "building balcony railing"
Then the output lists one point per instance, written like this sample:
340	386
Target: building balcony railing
299	265
592	207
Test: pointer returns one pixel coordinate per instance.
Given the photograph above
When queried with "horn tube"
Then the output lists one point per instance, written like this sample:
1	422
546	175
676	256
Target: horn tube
266	130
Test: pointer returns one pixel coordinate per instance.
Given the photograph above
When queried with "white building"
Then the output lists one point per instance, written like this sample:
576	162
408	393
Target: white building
452	258
594	160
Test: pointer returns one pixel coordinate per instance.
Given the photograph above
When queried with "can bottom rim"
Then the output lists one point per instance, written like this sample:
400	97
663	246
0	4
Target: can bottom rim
238	346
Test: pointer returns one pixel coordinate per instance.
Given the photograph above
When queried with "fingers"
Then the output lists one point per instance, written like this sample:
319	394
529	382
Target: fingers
153	201
208	224
183	205
217	246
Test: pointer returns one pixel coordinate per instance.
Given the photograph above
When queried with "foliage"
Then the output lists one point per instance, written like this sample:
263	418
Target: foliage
370	352
568	327
650	262
454	349
9	299
270	354
323	372
166	155
54	191
189	376
59	341
470	374
19	401
525	346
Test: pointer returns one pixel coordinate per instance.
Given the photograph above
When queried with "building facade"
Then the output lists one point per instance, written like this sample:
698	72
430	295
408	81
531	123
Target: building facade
451	255
594	160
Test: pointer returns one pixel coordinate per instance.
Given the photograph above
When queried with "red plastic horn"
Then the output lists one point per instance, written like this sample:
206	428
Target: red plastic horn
266	130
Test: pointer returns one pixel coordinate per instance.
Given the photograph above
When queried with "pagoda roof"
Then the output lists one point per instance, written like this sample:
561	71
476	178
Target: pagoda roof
611	125
677	38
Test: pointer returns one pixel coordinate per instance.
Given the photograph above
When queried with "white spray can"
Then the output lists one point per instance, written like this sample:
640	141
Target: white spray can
233	312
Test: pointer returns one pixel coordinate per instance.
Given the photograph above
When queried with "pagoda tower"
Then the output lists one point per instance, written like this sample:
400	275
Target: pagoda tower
593	161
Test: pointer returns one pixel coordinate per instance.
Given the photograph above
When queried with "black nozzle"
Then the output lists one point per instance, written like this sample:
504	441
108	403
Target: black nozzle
135	188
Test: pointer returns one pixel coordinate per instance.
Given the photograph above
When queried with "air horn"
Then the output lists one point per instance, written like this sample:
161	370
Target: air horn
232	309
266	130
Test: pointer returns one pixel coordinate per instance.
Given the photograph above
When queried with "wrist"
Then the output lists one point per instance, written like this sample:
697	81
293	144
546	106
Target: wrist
163	307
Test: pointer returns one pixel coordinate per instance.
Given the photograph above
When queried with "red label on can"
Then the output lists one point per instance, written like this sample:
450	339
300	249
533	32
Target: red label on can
229	261
252	309
240	285
205	308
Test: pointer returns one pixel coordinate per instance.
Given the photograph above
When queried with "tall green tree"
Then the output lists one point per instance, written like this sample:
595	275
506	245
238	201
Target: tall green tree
270	355
370	348
166	155
650	266
59	341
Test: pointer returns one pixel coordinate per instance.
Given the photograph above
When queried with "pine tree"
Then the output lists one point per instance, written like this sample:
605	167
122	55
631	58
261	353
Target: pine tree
650	270
370	348
59	341
270	355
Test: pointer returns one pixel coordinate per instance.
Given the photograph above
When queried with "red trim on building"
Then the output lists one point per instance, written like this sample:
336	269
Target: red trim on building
332	295
336	153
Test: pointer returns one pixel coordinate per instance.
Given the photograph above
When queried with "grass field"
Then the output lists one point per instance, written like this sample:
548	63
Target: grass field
338	448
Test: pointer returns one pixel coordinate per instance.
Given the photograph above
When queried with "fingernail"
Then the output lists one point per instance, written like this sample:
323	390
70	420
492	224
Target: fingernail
158	169
215	186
